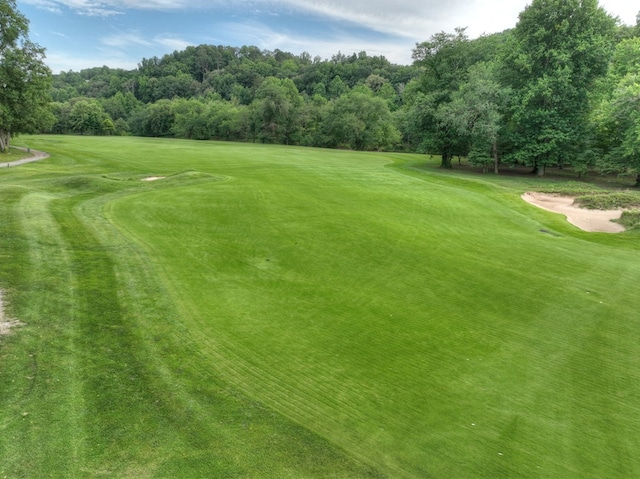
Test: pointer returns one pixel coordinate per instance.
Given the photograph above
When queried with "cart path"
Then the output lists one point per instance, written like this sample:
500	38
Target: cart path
35	156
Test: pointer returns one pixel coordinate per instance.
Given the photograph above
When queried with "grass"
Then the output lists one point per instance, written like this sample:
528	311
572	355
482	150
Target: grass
288	312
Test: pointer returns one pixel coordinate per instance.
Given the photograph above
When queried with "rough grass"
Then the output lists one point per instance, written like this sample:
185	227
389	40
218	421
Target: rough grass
291	312
11	154
610	201
630	219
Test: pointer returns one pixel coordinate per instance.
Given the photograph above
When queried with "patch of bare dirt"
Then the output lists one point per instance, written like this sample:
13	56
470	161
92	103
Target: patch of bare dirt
153	178
6	325
587	220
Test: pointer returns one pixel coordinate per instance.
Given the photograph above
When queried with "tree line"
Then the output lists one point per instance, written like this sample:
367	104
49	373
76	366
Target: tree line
559	89
246	94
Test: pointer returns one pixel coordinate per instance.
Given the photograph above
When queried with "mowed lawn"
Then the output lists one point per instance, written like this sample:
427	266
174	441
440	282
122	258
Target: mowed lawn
267	311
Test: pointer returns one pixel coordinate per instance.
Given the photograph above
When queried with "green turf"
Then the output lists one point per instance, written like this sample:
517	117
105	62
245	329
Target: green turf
286	312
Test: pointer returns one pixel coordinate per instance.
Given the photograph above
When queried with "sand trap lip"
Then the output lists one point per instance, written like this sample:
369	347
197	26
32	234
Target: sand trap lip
153	178
594	221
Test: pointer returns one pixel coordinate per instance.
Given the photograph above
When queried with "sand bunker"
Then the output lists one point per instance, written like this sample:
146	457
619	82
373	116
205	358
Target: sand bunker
153	178
587	220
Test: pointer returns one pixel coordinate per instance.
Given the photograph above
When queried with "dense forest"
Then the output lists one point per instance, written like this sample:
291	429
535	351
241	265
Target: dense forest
562	88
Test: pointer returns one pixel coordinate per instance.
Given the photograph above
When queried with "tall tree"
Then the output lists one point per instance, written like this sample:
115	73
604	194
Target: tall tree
445	60
25	81
617	119
477	110
558	49
619	128
278	105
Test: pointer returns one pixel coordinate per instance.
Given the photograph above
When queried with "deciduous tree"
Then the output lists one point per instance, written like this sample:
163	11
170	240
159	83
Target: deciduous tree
558	49
361	121
87	116
477	110
445	59
25	80
278	104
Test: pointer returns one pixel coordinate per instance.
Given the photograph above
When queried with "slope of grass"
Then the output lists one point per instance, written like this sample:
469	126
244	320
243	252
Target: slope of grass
287	312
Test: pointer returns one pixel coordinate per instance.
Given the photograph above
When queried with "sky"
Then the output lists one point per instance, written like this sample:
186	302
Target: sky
80	34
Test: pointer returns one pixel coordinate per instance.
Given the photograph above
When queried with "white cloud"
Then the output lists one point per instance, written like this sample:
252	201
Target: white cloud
410	18
50	6
110	7
399	18
125	40
172	43
64	61
122	43
266	38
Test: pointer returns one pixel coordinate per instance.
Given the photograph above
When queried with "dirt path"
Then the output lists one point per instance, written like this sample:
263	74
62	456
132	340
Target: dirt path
587	220
35	156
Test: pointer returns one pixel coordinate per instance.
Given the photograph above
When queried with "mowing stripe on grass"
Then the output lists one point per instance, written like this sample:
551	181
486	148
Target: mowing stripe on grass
418	320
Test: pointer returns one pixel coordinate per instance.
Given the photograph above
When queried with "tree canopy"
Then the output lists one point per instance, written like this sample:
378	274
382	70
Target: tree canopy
557	51
25	80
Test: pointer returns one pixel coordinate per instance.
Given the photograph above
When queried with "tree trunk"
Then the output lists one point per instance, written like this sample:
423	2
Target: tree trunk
540	170
496	169
5	138
637	185
446	160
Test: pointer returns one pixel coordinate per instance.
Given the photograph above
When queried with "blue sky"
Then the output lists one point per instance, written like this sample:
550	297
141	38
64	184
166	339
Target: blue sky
81	34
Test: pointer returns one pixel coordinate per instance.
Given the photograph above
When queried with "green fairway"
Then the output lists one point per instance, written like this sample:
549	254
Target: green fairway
280	312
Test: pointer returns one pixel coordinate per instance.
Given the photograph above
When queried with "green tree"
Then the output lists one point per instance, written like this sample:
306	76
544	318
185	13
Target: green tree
618	122
445	60
361	121
316	111
278	105
25	81
558	50
477	111
429	126
626	58
190	120
121	127
337	87
159	119
62	112
120	105
223	120
87	116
